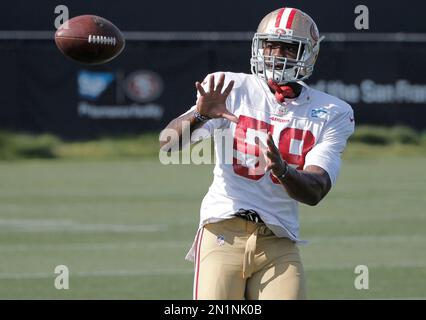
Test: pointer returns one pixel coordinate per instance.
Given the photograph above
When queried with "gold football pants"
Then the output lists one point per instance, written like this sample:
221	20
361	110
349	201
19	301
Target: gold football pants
238	259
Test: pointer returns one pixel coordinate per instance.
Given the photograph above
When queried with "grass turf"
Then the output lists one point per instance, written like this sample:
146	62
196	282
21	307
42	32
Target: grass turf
123	228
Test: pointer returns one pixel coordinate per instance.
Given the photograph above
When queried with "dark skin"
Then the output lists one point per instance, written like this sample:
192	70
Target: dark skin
308	186
210	104
282	49
312	184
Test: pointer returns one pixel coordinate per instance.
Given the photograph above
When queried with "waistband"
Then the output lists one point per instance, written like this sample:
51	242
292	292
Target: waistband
249	215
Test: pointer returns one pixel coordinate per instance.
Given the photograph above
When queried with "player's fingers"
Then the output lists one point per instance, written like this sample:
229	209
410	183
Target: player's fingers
272	150
200	88
220	83
231	117
211	84
228	88
272	157
271	144
269	166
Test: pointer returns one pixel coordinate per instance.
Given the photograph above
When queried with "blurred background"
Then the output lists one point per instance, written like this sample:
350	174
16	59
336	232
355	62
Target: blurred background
80	180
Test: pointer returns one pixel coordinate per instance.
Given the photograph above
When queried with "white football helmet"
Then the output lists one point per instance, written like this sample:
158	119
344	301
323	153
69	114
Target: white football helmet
291	26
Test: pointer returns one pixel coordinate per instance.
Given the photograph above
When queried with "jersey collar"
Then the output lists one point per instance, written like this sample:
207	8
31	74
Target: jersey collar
303	98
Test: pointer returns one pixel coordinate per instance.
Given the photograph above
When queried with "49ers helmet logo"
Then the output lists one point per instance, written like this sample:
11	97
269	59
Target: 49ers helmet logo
284	31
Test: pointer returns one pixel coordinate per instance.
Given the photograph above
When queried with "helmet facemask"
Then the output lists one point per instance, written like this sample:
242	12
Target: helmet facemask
282	69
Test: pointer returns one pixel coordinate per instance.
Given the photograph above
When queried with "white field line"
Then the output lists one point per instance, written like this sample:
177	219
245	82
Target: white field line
69	226
188	271
368	238
350	266
95	246
179	244
116	273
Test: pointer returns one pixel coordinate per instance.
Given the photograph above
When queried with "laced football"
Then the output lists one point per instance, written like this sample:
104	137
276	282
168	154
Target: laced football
89	39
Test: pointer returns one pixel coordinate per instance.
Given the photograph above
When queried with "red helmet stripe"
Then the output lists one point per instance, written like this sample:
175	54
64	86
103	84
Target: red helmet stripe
279	16
290	18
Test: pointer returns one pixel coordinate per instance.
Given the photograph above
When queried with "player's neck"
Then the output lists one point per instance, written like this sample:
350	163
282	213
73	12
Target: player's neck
297	88
289	90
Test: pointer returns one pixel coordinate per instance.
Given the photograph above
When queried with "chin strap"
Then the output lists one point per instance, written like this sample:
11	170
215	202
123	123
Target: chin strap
281	92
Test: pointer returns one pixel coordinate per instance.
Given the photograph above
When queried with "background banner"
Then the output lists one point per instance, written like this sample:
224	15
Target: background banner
379	73
153	82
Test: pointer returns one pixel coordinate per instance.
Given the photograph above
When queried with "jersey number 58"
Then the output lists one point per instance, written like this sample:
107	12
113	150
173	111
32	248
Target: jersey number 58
293	145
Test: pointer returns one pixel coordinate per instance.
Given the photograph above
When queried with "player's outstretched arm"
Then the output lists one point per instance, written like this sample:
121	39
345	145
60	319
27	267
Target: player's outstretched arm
210	104
180	126
308	186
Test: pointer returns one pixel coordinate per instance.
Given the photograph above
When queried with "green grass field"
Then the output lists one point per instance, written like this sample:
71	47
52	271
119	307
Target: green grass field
123	228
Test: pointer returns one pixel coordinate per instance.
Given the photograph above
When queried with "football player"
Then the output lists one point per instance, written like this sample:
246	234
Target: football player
247	243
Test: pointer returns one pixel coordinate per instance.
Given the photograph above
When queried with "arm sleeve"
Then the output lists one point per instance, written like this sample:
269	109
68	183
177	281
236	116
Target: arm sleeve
328	150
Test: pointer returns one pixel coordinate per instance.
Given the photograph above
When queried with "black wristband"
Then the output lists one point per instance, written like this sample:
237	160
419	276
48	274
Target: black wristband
200	118
284	174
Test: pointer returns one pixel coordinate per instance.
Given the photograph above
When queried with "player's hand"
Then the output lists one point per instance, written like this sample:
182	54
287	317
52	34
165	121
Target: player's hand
212	103
274	161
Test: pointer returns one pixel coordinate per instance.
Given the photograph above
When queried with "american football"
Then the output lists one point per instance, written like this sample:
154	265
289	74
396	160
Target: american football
89	39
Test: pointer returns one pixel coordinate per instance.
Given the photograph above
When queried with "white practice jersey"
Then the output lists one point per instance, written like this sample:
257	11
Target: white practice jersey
311	129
